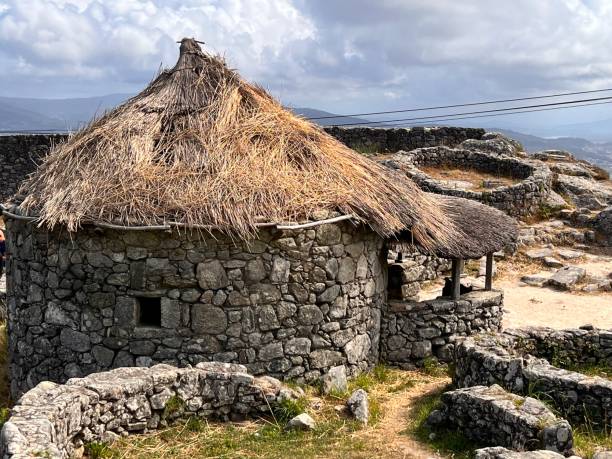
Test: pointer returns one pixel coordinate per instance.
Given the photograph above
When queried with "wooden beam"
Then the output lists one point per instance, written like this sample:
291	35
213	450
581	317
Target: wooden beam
457	270
489	272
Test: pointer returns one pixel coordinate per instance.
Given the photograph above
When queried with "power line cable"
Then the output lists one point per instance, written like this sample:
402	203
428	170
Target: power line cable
501	114
433	117
469	104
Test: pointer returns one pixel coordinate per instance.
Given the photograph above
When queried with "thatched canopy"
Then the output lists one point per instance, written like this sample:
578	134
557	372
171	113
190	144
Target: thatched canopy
481	229
200	147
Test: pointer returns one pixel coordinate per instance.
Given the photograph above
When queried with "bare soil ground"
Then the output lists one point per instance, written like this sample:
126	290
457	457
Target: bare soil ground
527	305
472	176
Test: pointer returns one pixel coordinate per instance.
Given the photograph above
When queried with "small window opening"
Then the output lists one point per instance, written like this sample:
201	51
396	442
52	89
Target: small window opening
149	312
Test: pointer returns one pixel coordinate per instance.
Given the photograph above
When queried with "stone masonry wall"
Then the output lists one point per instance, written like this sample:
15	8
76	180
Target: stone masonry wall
524	198
512	360
385	140
492	416
413	331
290	304
55	421
407	275
19	155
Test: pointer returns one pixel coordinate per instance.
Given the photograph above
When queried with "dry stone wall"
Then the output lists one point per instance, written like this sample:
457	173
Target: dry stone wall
492	416
19	156
407	276
290	304
512	360
414	331
56	420
523	198
385	140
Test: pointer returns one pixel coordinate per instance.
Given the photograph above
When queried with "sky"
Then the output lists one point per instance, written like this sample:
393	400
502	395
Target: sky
343	56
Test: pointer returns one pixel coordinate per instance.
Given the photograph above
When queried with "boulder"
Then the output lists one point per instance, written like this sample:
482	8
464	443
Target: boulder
301	422
552	262
334	380
566	278
358	406
539	254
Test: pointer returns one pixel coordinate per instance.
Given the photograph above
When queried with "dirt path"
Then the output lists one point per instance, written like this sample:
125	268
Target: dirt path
388	435
527	305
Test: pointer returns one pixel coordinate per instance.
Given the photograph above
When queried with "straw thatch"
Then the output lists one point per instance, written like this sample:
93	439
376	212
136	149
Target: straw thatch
200	146
482	229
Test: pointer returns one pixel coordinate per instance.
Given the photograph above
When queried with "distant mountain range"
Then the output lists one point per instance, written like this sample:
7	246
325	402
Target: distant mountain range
25	114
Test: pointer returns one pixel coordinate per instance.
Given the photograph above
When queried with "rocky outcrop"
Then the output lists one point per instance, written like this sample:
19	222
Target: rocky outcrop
55	421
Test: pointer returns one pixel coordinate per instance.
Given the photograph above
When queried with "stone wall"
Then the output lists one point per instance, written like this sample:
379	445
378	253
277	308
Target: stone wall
385	140
414	331
492	416
512	360
55	421
523	198
290	304
19	155
407	276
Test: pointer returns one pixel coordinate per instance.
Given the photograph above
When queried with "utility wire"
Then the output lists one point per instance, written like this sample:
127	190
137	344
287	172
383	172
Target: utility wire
501	114
460	105
497	110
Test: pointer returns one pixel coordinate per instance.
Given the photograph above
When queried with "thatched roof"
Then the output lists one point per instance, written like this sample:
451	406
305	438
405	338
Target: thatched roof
200	147
481	229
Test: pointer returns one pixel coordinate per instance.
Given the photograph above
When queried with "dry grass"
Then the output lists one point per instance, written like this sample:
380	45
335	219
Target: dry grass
336	436
202	147
474	177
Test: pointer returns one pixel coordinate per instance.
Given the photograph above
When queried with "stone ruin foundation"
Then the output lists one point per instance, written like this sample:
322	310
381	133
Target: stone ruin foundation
493	370
56	420
523	198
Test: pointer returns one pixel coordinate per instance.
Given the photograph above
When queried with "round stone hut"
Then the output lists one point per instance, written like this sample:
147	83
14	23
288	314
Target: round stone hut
201	221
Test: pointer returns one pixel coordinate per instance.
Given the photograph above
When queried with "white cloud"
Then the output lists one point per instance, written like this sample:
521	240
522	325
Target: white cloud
128	39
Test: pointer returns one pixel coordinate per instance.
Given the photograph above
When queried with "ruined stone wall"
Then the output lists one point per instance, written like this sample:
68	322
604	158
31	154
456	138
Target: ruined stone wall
290	304
413	331
55	421
492	416
523	198
512	360
385	140
19	155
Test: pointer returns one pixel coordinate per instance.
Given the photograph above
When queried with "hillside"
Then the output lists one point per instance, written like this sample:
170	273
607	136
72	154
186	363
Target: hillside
597	153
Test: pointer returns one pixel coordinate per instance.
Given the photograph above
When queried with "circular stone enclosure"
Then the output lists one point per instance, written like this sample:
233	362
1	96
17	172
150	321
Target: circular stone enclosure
290	304
520	199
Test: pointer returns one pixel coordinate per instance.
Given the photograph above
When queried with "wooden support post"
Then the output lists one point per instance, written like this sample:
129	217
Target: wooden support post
457	270
489	272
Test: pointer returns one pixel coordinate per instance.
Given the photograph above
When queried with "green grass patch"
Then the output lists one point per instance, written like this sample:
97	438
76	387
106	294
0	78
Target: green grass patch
96	450
588	441
366	149
432	367
450	442
290	408
174	407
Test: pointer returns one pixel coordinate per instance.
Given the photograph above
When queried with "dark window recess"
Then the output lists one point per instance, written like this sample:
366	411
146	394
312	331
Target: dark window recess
149	312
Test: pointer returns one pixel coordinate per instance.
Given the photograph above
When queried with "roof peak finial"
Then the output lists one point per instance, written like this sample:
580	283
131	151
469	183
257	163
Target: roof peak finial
190	45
